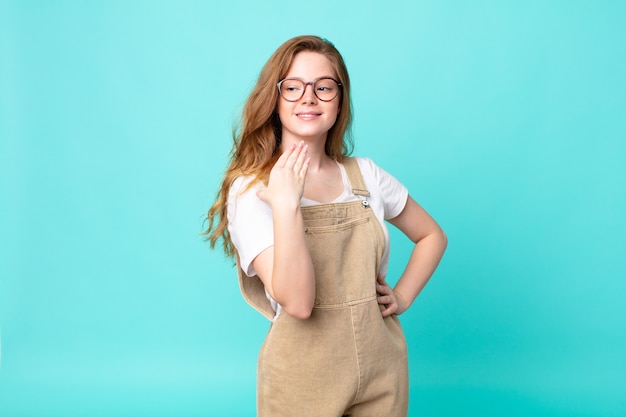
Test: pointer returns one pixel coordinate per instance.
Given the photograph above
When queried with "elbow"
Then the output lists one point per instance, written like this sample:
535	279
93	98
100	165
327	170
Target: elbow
302	315
300	311
298	298
443	238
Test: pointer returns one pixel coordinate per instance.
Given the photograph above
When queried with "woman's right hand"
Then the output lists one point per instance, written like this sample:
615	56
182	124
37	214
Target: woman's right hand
286	181
286	268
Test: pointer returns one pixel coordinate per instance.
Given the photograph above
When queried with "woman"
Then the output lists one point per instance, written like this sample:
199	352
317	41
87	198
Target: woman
306	224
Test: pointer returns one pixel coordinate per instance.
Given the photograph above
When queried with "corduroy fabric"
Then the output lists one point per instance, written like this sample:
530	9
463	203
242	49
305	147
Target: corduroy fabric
344	360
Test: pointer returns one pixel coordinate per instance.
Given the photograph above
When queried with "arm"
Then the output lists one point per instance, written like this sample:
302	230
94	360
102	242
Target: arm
430	243
286	268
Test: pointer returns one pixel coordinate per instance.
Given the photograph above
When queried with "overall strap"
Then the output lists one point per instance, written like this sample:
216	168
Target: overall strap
253	289
356	179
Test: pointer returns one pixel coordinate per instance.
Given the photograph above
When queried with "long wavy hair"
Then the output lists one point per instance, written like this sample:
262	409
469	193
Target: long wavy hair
256	141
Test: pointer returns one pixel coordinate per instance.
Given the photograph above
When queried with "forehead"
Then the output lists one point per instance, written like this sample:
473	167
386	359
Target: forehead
310	65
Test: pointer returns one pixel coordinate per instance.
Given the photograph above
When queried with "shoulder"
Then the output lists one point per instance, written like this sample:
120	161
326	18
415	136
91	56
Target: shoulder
383	186
370	169
366	165
363	161
240	185
242	198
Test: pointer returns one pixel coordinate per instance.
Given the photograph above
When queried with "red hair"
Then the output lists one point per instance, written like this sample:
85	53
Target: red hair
257	140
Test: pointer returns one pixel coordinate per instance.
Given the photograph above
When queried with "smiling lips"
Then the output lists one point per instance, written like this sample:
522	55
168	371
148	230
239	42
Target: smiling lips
308	115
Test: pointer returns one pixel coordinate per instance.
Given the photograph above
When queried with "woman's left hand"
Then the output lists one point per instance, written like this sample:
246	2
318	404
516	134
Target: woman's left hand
388	298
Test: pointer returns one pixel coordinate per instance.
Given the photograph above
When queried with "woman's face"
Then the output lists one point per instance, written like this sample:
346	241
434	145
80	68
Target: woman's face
309	118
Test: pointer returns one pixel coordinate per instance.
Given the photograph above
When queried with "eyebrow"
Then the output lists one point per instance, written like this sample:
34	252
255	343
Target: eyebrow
315	79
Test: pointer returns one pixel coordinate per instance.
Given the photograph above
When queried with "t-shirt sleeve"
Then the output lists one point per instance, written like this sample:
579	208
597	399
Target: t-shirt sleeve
250	223
392	192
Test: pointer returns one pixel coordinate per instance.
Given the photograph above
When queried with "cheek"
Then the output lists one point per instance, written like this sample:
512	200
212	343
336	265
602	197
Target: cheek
337	111
282	110
337	104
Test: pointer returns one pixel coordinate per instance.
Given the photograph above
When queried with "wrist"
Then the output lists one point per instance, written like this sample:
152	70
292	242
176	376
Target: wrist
402	303
285	205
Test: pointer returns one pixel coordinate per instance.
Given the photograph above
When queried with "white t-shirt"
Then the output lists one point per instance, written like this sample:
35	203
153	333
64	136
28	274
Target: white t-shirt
250	221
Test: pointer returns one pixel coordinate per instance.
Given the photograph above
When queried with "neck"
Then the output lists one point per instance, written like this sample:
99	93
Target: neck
316	151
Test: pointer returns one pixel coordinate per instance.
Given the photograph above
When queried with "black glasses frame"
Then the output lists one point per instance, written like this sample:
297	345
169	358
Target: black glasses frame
312	84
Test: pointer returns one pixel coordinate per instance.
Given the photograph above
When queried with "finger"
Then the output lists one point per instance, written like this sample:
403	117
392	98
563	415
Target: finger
381	279
282	159
305	167
385	300
300	157
293	157
261	193
391	308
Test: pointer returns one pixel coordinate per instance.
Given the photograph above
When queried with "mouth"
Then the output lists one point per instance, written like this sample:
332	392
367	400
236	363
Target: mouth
308	115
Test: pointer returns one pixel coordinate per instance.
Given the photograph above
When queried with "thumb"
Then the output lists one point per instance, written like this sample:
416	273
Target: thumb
262	193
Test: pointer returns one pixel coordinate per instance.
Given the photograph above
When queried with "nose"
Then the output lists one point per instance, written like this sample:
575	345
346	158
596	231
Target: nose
309	94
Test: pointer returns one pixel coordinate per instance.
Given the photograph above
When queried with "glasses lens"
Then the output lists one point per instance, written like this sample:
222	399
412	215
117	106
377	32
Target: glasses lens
326	89
291	90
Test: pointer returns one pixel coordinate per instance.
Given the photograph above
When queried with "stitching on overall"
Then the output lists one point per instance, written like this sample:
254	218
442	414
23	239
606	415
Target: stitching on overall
358	359
336	227
346	304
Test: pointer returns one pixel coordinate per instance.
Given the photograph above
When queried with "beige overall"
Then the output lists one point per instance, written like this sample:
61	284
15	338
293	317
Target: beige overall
345	360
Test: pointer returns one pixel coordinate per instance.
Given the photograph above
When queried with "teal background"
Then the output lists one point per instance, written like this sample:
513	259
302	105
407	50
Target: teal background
506	120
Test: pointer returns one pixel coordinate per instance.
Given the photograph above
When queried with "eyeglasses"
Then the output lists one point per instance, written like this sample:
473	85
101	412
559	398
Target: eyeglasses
292	89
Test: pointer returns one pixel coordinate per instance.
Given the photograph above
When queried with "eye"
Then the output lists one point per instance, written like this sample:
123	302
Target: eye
326	86
292	85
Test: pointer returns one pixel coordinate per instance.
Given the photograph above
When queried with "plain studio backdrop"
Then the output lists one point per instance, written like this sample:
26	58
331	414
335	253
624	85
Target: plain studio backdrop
505	119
